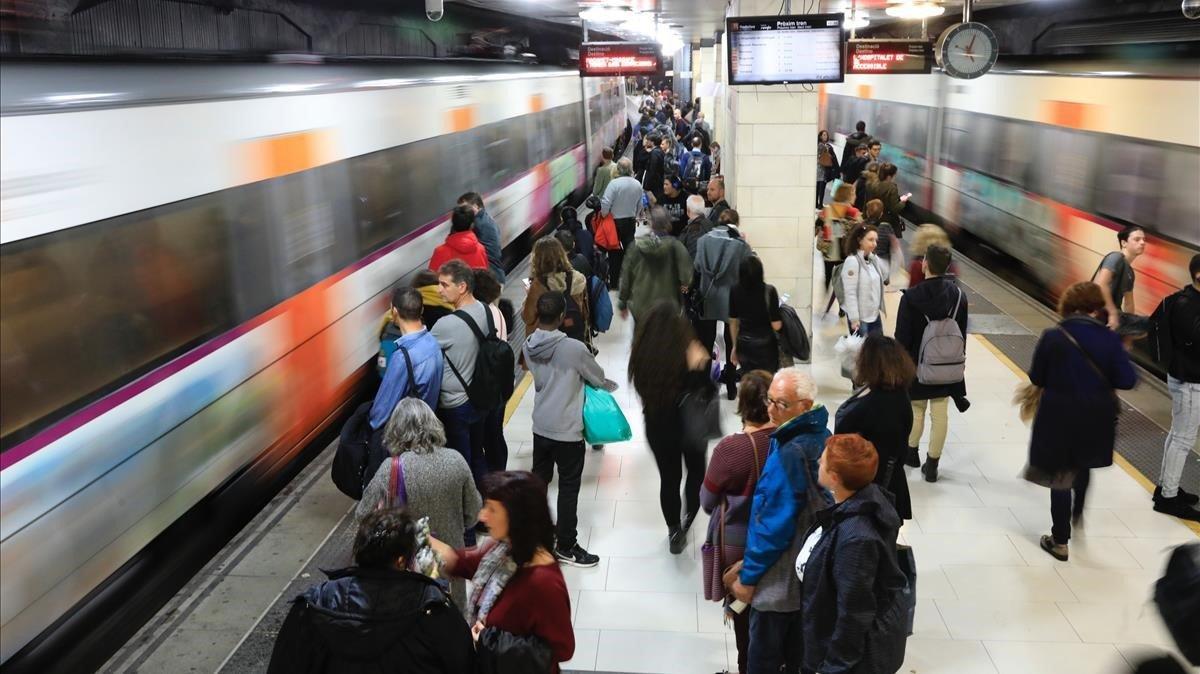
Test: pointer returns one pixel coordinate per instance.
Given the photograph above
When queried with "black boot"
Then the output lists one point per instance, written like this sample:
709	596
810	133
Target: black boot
677	540
929	470
913	458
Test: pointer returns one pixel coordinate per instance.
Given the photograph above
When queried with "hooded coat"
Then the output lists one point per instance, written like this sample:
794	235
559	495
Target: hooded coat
368	621
934	299
719	256
854	591
655	269
463	246
560	366
556	282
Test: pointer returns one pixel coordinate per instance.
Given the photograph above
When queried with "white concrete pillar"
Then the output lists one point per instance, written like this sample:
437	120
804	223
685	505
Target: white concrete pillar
773	166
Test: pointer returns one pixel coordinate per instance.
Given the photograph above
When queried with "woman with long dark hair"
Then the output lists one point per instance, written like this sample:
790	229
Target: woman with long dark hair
827	165
666	361
754	319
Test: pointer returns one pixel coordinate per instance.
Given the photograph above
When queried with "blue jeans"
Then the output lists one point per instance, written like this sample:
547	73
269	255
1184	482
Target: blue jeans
465	429
866	329
776	642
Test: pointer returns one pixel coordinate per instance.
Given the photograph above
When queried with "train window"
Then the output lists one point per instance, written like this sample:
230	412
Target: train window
1015	152
89	308
504	153
1181	200
956	135
468	169
379	207
1131	186
1064	163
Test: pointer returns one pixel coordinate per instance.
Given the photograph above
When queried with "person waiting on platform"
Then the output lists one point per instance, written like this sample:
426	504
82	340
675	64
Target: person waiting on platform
488	233
657	270
786	501
715	194
754	319
1079	365
415	366
488	291
698	224
461	243
377	615
1179	340
856	598
519	608
886	190
433	305
1116	277
673	200
927	235
719	256
863	276
424	476
551	271
621	200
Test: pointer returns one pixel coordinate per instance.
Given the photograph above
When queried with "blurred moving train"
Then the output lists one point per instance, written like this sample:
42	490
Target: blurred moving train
1044	163
194	257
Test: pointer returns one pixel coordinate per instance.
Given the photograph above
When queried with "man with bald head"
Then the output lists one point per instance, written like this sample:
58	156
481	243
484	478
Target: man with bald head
781	514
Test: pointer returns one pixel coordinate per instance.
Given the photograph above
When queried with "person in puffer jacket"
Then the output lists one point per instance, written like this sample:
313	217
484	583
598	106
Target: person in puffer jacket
461	243
377	616
855	597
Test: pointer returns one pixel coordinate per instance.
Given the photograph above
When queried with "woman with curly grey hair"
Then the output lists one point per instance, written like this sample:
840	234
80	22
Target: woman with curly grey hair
425	477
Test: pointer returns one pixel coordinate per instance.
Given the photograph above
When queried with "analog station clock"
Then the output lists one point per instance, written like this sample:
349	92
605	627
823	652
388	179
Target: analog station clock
967	50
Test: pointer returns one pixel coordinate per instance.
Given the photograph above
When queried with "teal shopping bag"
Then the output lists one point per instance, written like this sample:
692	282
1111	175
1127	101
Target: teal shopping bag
603	420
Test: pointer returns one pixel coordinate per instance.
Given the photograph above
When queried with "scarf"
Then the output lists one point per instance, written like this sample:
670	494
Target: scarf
431	297
495	570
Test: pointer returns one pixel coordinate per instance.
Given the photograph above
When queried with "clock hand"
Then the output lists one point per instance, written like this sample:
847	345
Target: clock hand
970	47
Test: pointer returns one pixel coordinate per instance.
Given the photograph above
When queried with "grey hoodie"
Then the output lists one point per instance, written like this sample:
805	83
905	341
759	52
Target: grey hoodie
560	366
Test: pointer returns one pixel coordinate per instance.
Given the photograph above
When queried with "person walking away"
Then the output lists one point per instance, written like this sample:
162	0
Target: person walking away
560	368
715	153
584	242
415	367
754	320
604	173
852	168
579	262
728	489
698	224
828	167
436	481
377	615
552	271
715	193
786	500
859	137
886	190
862	282
658	270
656	167
519	609
699	165
719	256
641	152
1178	324
461	243
926	236
856	597
621	200
495	447
937	298
672	202
1116	278
433	305
1078	364
880	411
837	221
862	186
465	426
488	233
665	362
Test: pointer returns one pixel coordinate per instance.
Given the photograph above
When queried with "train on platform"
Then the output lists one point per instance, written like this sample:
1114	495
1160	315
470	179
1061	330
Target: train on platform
1036	166
193	260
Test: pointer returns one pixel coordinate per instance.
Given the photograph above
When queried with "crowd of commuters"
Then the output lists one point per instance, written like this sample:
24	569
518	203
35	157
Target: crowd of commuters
801	548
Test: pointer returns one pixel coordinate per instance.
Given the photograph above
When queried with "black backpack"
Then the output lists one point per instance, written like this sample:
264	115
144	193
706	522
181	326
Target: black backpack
574	324
795	337
495	366
359	453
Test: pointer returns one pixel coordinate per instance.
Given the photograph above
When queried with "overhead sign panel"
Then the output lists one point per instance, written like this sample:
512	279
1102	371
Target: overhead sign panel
887	57
603	59
785	49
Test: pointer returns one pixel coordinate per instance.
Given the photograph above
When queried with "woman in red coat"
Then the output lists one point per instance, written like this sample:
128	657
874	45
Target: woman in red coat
461	244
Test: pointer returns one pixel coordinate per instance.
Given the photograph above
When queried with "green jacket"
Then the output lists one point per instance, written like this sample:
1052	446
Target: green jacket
603	175
654	270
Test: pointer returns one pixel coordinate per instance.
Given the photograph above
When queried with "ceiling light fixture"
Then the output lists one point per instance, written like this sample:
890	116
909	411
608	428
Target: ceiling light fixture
856	19
603	14
916	9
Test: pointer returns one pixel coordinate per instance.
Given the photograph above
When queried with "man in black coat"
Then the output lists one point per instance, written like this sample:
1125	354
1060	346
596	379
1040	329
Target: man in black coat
860	136
936	297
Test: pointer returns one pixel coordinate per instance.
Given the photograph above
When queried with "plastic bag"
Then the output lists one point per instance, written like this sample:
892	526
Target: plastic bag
603	420
847	348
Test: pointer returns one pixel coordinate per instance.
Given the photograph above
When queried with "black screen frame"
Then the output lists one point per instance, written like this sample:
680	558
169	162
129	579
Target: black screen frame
730	31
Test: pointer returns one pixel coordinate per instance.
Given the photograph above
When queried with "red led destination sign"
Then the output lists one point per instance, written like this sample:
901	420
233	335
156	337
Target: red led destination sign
889	57
597	59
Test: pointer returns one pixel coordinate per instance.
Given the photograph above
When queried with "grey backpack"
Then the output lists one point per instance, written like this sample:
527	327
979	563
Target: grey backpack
942	358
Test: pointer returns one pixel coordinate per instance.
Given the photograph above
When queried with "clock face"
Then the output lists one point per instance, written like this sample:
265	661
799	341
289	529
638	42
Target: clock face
967	50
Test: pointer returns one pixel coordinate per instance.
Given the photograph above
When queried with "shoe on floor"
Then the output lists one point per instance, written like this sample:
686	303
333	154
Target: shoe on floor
929	470
1177	507
1189	499
678	540
1055	550
597	448
913	458
576	556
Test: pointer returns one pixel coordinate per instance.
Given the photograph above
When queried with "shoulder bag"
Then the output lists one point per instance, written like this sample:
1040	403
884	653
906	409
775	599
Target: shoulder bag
714	552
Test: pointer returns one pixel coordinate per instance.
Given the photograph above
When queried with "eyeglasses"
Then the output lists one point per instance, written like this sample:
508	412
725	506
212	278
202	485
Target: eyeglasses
781	404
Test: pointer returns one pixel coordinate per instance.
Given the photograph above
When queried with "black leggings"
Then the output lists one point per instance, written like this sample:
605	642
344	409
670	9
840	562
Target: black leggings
663	433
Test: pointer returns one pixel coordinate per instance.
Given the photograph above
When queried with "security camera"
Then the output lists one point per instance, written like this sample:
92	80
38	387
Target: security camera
434	10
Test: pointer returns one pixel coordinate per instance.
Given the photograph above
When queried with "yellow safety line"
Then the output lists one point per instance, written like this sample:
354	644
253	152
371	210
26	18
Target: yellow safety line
518	393
1121	461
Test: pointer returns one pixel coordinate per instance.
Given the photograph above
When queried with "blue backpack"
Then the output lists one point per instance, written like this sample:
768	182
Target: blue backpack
602	309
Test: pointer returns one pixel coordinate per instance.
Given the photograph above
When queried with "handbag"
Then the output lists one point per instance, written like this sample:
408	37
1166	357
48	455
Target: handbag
1027	398
699	416
1053	479
603	420
714	553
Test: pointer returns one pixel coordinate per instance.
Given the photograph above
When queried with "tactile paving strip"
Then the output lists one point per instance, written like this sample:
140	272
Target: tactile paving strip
1139	440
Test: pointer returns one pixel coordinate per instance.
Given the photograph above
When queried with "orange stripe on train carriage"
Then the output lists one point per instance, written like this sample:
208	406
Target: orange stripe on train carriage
274	156
460	119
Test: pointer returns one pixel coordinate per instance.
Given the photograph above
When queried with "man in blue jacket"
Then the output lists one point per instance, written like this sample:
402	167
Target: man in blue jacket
779	517
488	233
415	367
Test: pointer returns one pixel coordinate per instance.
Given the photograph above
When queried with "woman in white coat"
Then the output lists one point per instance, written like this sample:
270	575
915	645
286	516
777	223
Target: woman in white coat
863	275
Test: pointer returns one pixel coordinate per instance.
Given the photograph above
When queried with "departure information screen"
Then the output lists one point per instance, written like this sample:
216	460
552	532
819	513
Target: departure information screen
601	59
785	49
873	57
